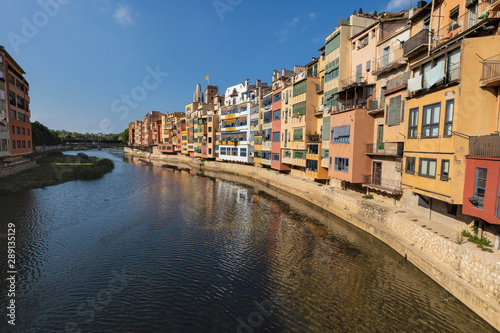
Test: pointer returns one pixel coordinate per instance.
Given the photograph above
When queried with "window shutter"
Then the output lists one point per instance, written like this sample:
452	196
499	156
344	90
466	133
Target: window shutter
394	114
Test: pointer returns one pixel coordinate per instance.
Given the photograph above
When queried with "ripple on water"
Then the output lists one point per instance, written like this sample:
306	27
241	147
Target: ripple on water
156	250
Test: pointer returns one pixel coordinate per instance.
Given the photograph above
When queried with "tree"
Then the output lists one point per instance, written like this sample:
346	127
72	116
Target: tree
124	136
360	11
375	13
41	135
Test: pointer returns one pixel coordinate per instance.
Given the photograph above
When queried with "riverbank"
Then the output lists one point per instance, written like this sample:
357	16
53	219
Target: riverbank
469	274
55	169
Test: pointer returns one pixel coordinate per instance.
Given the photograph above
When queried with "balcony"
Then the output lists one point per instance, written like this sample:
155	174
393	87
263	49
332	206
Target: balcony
375	106
353	81
394	149
485	146
313	138
391	186
320	88
399	81
348	105
475	13
494	5
417	43
389	62
491	72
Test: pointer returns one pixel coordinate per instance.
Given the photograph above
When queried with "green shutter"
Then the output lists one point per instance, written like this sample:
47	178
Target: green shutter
297	134
394	114
332	44
299	109
299	88
325	135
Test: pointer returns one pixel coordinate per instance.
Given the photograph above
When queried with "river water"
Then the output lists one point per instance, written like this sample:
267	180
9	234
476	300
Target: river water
151	249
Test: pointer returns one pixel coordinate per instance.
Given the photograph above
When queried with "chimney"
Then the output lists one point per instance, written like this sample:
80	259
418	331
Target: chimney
257	83
421	4
247	82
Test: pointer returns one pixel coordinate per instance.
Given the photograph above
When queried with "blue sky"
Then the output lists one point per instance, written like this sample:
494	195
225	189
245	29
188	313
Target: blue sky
96	65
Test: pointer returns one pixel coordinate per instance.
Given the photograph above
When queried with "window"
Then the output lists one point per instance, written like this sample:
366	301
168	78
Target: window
209	140
19	85
413	123
277	97
341	134
427	167
332	43
234	151
13	144
312	165
299	154
19	144
498	201
24	144
448	118
410	165
299	109
209	118
276	115
324	153
21	117
23	131
312	149
430	121
223	150
276	136
325	129
210	130
18	130
276	157
4	145
445	170
299	88
11	79
480	187
243	152
341	164
453	65
12	98
454	18
297	134
13	129
394	114
209	151
332	70
287	154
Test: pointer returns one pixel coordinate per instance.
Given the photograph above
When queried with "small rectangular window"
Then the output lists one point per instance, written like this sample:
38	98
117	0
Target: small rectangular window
448	118
445	170
341	164
480	188
410	165
427	167
276	157
276	136
430	121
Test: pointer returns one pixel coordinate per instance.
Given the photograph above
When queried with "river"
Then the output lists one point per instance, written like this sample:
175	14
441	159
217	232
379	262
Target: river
151	249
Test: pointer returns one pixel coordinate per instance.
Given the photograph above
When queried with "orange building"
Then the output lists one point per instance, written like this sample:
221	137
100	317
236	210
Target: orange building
19	114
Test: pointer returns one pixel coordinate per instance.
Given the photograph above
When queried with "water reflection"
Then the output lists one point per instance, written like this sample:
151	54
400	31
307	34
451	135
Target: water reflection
151	249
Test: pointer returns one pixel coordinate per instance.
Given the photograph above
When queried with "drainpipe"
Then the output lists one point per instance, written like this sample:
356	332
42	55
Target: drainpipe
430	29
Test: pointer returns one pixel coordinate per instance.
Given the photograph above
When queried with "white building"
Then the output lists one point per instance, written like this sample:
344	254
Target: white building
235	140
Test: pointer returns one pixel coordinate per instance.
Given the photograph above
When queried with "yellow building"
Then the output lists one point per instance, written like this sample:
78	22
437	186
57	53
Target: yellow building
449	100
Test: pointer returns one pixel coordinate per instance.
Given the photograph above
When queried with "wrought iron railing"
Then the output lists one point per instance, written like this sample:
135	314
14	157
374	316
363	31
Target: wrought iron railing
397	81
389	59
420	39
491	69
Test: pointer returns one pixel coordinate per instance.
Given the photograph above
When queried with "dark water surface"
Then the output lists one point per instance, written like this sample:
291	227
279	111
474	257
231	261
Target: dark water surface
150	249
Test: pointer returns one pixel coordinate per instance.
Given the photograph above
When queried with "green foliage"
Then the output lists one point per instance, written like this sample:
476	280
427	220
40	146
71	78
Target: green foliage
360	11
84	156
43	136
369	196
483	243
124	136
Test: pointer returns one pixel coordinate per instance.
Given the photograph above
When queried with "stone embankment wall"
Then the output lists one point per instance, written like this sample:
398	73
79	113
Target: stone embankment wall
471	276
15	168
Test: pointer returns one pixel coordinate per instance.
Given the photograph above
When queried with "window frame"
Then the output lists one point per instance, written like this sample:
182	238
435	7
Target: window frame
427	175
414	160
431	124
476	187
443	177
448	122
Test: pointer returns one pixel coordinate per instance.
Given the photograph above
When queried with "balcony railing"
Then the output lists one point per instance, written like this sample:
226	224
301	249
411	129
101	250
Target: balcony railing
491	72
472	16
485	146
417	42
349	105
375	105
313	137
389	61
393	185
355	80
397	81
391	148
